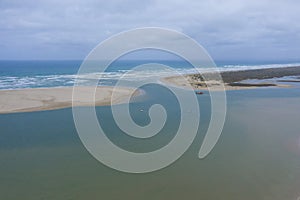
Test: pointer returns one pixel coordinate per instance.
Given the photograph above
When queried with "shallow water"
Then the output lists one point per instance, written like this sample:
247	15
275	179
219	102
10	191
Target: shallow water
257	156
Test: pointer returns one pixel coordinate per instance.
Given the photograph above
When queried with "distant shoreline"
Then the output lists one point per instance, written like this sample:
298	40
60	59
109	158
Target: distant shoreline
266	73
232	79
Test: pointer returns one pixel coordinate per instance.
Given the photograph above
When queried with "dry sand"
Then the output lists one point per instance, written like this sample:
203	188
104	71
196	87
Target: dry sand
26	100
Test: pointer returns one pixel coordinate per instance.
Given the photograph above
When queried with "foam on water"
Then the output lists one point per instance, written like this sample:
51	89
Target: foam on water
109	78
265	66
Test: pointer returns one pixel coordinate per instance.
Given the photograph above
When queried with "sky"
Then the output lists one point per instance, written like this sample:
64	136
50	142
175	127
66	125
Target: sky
227	29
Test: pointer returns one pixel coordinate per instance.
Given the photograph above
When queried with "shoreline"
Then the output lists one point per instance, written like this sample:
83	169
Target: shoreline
52	98
232	80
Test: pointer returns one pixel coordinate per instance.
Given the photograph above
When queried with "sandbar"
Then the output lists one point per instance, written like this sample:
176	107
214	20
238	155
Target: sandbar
37	99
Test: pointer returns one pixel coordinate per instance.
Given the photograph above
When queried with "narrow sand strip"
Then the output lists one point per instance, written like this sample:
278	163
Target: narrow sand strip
231	79
26	100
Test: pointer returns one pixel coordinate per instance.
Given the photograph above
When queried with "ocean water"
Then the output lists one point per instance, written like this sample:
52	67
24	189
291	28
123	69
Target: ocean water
32	74
257	156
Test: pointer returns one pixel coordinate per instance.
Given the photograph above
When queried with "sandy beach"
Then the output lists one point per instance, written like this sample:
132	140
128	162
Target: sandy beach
232	79
36	99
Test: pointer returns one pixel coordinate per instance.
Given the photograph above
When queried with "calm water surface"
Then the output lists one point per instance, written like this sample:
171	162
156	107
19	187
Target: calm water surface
257	156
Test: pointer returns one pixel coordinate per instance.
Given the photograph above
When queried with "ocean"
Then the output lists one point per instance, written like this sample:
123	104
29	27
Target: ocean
33	74
256	157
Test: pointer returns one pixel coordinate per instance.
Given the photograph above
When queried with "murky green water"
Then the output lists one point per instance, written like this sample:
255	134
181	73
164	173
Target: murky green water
257	156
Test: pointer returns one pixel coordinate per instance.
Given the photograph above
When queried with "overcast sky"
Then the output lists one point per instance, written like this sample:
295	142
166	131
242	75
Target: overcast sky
229	29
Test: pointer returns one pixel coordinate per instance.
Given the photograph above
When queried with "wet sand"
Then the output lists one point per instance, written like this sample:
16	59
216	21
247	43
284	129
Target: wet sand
36	99
231	79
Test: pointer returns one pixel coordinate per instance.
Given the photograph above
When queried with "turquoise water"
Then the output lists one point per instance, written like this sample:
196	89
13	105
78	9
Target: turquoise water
257	156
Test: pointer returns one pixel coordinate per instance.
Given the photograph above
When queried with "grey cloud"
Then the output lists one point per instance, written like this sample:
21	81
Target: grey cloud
53	29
